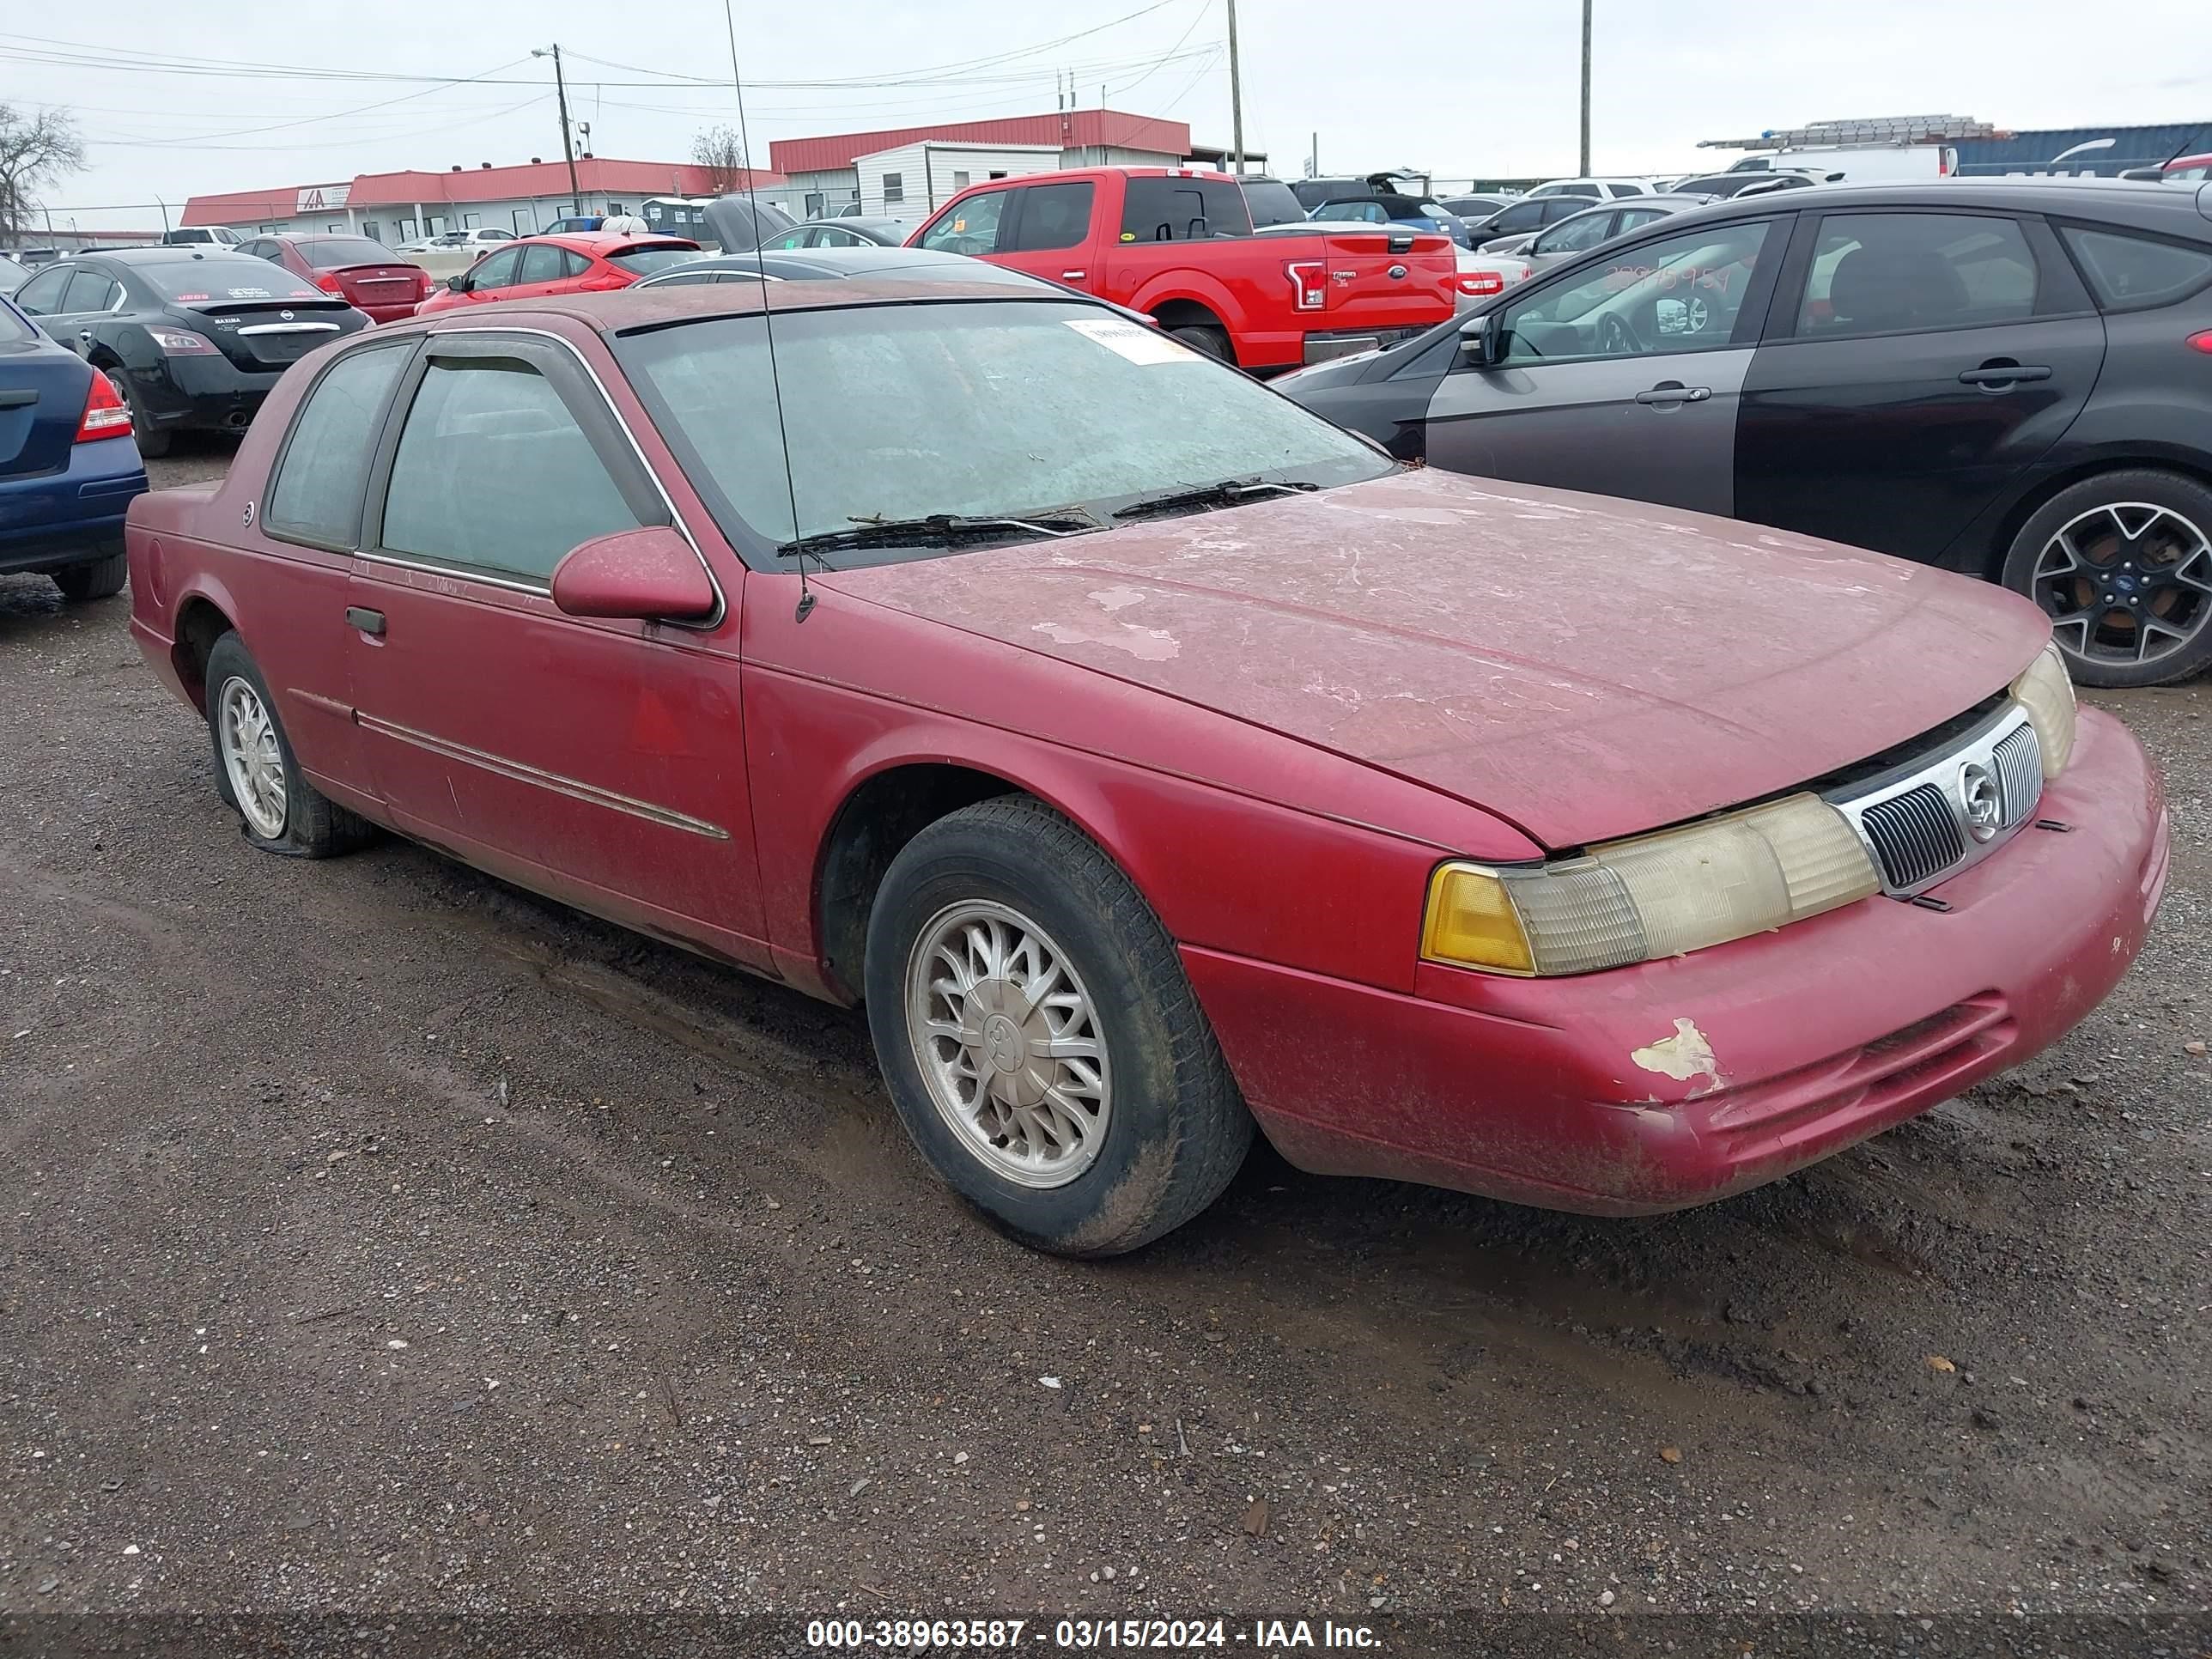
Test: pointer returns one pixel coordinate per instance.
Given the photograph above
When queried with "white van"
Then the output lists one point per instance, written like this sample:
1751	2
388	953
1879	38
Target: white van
1860	164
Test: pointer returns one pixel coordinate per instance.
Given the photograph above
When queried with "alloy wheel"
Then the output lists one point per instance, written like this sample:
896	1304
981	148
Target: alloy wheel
1008	1042
252	757
2128	583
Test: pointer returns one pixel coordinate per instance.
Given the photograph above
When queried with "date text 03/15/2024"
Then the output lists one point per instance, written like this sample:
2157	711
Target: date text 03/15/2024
1260	1636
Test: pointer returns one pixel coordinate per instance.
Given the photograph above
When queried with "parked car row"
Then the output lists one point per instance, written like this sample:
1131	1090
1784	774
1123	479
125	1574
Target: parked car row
2009	378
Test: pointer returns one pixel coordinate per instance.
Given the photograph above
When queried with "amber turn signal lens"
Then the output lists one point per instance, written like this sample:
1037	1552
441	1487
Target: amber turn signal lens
1472	922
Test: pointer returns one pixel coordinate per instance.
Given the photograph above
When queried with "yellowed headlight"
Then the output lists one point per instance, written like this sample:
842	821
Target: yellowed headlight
2046	691
1655	896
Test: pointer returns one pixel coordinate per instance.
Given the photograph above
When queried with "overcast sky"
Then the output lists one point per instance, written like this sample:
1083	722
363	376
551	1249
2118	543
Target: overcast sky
1492	90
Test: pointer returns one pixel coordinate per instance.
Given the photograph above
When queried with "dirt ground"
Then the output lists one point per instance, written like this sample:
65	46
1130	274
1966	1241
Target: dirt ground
378	1236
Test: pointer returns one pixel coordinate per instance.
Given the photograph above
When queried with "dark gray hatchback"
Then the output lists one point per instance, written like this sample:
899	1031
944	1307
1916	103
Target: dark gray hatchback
2011	378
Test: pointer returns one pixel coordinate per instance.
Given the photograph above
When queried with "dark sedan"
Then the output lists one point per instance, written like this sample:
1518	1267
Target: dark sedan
2008	379
68	468
192	339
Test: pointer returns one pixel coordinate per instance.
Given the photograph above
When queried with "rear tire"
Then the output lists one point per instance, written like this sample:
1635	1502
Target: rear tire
1213	342
257	775
102	578
1039	1038
2121	563
153	444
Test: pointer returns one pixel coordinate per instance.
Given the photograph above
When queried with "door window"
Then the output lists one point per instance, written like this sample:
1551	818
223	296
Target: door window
1572	235
42	294
88	291
494	473
1053	217
498	271
316	497
1634	218
1681	294
1885	273
2128	273
969	227
541	262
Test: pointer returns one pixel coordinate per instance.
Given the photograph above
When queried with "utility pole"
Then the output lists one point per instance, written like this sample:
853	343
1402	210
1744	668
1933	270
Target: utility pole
1586	88
1235	94
568	138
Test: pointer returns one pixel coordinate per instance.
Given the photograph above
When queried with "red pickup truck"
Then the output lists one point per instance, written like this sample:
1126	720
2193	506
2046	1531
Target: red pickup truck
1177	245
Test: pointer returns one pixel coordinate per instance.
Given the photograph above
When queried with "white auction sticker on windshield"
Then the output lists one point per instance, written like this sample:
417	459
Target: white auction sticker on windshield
1135	341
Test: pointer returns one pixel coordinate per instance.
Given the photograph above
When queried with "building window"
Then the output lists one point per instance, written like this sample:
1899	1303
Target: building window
614	209
1000	173
371	229
469	221
960	179
894	189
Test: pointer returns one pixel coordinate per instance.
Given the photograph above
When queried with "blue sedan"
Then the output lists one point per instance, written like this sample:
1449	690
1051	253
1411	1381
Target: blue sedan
69	467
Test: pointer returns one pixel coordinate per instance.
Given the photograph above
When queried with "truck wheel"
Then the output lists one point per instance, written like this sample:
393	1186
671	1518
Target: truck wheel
2121	563
1198	337
1039	1038
101	579
257	775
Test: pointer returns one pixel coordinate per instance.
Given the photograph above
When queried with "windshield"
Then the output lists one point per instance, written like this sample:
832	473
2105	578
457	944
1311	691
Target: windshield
225	277
646	260
336	252
970	408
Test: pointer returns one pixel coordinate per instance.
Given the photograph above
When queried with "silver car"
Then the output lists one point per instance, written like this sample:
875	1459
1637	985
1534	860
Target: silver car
1515	258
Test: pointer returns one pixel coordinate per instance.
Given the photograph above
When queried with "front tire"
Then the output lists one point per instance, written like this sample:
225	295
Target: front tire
1039	1038
1204	338
256	771
2121	563
102	578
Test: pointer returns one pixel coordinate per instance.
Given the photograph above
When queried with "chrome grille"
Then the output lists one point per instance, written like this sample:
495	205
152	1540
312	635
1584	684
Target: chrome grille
1946	808
2019	774
1914	835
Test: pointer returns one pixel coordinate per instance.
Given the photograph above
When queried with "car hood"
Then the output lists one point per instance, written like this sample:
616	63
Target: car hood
1584	667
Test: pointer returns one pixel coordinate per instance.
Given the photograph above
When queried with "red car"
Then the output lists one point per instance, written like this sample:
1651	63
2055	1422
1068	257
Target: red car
539	267
366	275
1155	759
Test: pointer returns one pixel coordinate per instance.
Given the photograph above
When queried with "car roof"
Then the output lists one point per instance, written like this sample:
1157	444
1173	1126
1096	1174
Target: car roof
644	307
603	242
176	254
2139	204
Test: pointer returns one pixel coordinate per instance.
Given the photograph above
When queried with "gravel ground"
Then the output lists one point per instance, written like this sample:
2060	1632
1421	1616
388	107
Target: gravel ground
378	1236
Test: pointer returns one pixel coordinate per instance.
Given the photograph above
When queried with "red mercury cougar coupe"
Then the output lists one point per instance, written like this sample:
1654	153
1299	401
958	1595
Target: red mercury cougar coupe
1155	759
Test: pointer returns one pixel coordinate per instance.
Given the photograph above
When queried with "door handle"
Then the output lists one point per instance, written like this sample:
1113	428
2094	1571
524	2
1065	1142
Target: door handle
369	621
1669	392
1073	276
1999	375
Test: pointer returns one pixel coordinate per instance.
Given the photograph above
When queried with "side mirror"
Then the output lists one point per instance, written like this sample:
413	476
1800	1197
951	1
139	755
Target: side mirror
457	284
638	576
1481	342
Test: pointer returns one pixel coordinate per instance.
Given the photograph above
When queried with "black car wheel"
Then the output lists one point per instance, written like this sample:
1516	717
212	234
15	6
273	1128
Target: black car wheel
1040	1039
2121	563
153	443
102	578
1213	342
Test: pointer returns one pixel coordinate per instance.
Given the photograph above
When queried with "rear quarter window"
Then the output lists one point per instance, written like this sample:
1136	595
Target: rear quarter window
1183	211
2128	272
13	328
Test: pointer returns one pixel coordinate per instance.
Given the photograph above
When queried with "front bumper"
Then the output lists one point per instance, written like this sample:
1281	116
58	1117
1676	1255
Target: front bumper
1672	1083
73	517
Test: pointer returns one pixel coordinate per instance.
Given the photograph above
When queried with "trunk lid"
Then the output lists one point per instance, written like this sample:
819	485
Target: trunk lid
396	283
42	394
263	334
1585	667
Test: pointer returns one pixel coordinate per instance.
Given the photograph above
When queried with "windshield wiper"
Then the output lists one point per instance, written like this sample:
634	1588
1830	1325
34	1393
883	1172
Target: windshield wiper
947	527
1228	493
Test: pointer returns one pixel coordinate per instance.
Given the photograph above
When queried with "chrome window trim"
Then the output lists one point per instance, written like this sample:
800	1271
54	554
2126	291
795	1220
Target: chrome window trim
1946	772
471	572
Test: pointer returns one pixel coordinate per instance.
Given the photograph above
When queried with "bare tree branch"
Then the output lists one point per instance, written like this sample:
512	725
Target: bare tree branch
723	153
37	148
